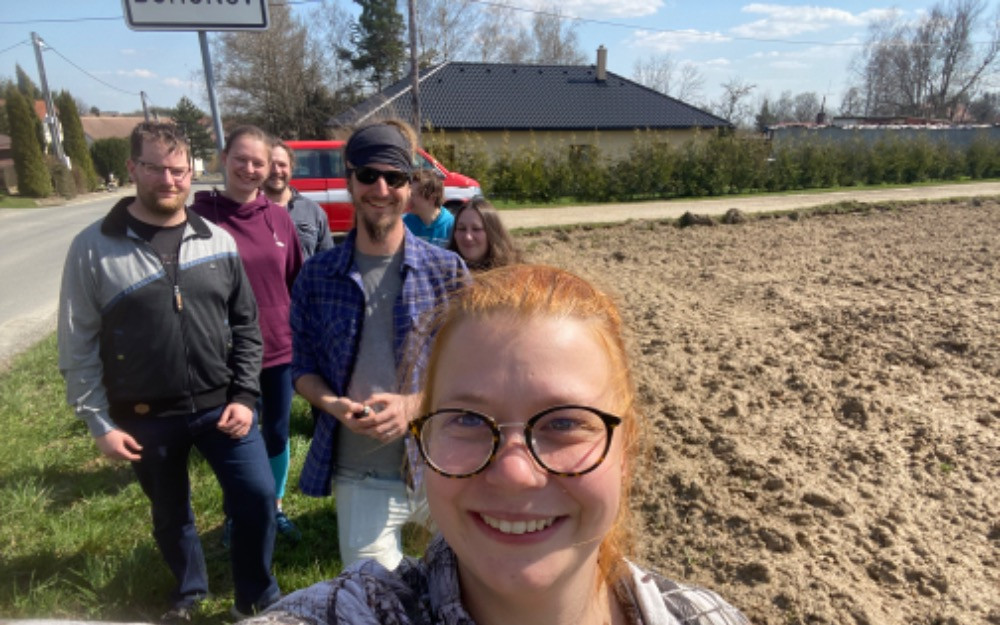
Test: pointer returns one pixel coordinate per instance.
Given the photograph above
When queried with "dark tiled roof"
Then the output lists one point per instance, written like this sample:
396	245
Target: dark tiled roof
496	96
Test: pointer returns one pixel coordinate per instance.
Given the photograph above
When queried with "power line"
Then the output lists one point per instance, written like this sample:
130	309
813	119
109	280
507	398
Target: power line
106	84
19	43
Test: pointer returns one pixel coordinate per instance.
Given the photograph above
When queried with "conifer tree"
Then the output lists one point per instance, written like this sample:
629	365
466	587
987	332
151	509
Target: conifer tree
32	93
109	156
26	85
32	175
188	117
74	141
377	37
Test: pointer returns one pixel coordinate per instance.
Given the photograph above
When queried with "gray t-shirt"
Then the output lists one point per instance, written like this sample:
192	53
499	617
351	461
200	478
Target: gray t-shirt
375	367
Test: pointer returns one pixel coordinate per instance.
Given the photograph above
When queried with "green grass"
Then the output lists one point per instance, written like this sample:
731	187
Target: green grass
75	534
7	201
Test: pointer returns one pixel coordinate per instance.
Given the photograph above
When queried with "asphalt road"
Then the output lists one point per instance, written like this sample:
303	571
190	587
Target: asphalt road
33	242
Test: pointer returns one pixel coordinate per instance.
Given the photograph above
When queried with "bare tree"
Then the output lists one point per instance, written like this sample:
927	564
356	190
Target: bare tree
442	27
783	109
930	66
330	28
273	78
806	107
985	109
852	104
501	37
662	73
556	39
733	104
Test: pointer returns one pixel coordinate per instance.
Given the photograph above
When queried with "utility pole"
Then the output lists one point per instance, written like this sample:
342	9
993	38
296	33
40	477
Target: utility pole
145	107
206	63
415	69
50	110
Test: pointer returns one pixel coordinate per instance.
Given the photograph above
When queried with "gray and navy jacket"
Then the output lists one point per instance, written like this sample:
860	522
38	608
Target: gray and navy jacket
132	342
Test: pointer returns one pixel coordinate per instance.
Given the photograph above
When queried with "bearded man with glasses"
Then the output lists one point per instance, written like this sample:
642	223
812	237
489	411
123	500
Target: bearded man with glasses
355	309
161	351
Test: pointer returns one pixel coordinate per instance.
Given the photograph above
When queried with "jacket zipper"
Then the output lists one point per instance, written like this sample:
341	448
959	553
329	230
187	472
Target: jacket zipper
178	299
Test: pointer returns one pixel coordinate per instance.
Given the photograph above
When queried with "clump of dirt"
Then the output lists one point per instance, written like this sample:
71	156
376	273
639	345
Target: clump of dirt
822	396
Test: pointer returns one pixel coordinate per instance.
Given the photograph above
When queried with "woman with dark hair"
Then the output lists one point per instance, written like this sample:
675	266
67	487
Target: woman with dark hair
269	248
480	237
529	434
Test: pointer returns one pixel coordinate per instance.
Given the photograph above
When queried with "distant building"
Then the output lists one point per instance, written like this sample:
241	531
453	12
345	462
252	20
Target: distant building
874	129
573	105
107	127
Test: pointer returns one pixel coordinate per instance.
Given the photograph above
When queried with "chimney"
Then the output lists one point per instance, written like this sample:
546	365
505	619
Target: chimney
602	63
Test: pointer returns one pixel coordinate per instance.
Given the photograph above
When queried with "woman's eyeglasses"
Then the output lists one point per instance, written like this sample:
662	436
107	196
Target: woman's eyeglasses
565	440
369	175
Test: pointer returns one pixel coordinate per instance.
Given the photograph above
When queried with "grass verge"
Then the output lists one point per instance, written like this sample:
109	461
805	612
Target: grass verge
75	532
8	201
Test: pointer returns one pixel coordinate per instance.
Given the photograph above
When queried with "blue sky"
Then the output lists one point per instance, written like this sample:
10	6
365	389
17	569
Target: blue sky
776	46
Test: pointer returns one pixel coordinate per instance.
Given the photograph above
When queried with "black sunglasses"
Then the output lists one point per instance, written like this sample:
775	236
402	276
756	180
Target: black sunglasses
369	175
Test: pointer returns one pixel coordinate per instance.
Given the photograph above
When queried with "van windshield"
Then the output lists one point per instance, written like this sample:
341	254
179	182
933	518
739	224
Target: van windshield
319	163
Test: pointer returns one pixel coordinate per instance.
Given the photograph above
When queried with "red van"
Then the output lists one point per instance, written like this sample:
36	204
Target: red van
320	176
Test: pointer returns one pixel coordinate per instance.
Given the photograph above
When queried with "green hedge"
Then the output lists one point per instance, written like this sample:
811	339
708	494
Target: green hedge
109	157
709	165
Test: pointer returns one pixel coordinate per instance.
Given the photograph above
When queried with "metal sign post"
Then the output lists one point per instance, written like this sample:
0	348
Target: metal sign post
202	16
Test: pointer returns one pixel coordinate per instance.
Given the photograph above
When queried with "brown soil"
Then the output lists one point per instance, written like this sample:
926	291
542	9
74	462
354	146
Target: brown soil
823	402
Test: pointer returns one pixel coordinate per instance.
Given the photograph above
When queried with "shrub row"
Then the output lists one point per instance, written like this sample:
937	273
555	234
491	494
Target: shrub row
709	166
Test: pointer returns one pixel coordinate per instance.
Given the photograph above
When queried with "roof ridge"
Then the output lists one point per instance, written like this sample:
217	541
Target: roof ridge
406	89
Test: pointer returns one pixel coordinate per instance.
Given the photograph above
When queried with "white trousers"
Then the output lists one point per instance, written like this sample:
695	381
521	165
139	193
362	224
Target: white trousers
371	513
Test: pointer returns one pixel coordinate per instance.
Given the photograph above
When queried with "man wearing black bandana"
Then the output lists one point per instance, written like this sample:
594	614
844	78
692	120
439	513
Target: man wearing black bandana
353	312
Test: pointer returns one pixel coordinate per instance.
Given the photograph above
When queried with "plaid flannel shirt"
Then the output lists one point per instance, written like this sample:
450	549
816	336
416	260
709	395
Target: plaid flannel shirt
427	592
328	306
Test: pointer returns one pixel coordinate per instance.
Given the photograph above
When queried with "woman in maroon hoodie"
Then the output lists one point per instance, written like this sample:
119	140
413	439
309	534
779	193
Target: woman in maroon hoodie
269	247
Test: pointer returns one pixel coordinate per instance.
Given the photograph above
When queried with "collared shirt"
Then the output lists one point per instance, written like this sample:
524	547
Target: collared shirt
328	306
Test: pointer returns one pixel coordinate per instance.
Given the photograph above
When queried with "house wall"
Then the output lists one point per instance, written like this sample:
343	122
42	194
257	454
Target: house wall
614	144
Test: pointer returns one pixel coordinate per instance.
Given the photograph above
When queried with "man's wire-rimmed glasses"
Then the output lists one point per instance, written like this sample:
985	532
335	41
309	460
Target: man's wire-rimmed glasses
566	440
152	169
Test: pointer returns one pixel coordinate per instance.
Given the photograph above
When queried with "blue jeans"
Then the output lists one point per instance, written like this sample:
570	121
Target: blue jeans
275	407
242	469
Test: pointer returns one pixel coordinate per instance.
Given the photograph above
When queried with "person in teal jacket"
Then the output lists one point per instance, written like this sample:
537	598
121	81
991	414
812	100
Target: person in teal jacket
427	219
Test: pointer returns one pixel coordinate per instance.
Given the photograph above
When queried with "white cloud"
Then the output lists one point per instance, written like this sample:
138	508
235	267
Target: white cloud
179	83
789	64
784	21
673	41
877	14
136	73
719	62
597	9
129	52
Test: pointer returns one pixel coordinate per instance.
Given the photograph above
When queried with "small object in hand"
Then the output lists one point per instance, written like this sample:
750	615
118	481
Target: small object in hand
363	413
